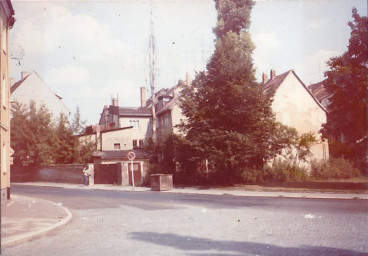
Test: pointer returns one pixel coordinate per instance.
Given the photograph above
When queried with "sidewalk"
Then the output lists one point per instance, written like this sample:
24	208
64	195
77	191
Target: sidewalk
25	218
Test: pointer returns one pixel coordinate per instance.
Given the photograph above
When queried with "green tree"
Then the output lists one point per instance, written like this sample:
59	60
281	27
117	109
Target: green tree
229	120
78	125
32	133
20	137
347	82
66	143
38	140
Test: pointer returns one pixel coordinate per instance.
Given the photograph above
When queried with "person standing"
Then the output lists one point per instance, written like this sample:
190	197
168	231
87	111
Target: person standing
86	175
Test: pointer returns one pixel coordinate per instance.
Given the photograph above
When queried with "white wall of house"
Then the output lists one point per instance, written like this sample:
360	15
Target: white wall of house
177	117
141	127
117	140
294	106
33	88
164	123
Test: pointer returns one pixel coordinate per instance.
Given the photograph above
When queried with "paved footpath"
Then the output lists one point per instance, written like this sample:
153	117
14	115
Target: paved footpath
25	218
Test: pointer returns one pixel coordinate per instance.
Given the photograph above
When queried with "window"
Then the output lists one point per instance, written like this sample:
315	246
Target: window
3	160
4	38
135	143
116	146
138	143
134	123
3	92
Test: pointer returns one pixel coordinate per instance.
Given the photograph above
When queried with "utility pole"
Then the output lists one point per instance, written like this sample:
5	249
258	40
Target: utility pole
152	76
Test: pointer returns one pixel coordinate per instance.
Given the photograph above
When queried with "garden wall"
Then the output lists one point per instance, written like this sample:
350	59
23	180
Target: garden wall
66	173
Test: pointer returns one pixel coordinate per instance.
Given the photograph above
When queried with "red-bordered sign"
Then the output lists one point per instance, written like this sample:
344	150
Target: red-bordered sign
131	155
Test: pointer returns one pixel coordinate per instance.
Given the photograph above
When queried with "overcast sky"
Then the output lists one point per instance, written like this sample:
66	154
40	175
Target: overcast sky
90	51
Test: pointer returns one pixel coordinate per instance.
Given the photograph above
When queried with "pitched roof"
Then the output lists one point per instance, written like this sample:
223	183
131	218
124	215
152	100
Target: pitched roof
17	84
319	90
140	111
170	104
102	129
272	85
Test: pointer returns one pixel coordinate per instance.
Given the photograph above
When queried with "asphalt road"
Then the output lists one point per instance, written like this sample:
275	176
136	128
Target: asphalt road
154	223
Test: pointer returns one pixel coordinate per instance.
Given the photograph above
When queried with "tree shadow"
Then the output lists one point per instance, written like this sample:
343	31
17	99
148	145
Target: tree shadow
202	246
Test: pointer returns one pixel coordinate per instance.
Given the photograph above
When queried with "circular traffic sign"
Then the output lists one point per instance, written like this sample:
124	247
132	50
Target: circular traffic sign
131	155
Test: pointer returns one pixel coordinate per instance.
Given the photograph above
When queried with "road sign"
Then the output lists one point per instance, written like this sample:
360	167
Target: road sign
131	155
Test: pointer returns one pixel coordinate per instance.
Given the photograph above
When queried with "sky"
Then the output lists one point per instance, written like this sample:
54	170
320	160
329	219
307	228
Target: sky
91	51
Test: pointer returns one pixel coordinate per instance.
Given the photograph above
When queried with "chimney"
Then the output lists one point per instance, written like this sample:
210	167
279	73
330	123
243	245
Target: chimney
188	80
264	78
143	97
24	74
272	74
115	102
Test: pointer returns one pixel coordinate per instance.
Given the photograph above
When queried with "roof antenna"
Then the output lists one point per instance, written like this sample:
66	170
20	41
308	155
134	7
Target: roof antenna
152	74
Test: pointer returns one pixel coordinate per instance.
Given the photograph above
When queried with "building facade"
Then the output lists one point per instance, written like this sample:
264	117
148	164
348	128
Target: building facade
294	105
31	87
6	22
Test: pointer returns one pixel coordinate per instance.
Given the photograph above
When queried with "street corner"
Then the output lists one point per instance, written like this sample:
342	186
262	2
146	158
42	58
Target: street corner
26	218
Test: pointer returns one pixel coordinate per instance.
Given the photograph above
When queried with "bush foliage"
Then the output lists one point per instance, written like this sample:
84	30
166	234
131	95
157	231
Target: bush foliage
280	171
334	168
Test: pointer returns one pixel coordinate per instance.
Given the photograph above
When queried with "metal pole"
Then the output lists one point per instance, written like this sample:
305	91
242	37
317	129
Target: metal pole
131	163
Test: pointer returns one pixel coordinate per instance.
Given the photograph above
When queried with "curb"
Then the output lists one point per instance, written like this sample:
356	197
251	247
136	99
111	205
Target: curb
219	192
17	239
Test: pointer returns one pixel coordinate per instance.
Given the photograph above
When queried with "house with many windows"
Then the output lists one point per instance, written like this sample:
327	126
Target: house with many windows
138	118
6	23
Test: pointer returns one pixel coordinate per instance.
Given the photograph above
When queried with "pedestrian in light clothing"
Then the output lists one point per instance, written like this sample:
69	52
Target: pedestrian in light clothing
86	175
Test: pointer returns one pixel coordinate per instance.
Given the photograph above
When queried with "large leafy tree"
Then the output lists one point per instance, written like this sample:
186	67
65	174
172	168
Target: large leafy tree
229	120
347	83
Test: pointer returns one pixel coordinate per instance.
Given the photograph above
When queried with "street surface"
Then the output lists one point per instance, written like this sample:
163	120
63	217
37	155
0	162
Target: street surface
158	223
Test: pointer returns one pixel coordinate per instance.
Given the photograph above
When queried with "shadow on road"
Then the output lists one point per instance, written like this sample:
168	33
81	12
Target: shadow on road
209	246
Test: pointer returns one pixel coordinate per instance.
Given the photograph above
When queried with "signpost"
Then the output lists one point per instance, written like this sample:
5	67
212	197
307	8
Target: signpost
131	157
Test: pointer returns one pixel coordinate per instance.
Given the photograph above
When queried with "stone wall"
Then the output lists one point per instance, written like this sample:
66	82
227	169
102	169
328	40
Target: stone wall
69	173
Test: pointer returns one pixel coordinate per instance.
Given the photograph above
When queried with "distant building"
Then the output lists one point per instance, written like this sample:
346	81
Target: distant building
168	112
320	93
139	118
294	105
31	87
6	23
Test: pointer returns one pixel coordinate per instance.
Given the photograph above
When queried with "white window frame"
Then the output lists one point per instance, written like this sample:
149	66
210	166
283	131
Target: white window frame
4	92
134	123
4	37
4	166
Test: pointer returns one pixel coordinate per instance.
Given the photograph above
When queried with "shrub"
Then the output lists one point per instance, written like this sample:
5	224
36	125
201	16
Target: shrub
251	176
278	172
334	168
